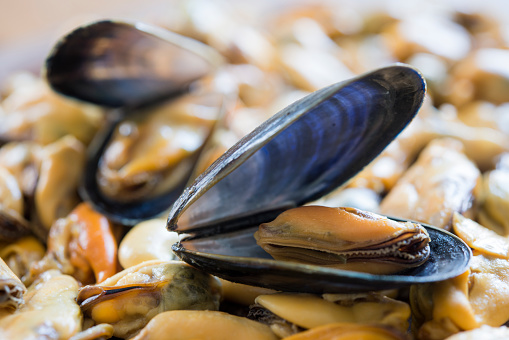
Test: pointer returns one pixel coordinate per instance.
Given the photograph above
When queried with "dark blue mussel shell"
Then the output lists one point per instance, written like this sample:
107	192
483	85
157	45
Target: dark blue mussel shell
117	64
130	67
300	154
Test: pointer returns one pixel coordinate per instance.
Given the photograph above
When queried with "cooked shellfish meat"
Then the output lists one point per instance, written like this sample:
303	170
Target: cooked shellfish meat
203	324
129	299
21	255
443	308
288	313
50	310
442	180
346	331
82	245
151	154
346	238
11	288
148	240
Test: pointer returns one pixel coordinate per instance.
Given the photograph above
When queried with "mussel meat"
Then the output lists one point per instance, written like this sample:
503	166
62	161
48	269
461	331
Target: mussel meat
130	298
345	238
11	288
203	324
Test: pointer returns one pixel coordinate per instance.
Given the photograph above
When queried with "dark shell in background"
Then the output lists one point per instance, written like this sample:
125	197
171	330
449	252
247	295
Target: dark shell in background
118	64
132	66
297	156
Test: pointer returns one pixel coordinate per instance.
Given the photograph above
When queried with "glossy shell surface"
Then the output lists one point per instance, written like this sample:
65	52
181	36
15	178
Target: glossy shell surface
304	151
135	68
300	154
117	64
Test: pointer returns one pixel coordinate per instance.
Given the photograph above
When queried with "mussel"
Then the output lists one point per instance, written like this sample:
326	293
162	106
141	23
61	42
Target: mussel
298	155
345	238
166	103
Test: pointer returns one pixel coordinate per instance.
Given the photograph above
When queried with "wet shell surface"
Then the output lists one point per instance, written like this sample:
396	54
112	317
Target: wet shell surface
298	155
144	155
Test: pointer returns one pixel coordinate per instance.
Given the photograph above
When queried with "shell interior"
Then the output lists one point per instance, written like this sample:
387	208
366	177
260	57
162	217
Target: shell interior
247	263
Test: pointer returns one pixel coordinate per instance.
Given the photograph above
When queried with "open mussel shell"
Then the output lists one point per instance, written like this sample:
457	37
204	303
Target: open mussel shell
135	68
300	154
237	258
116	64
147	204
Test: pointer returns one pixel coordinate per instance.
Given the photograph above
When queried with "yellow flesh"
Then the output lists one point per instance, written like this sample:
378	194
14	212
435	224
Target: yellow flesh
346	331
141	150
241	293
60	173
50	307
309	311
345	238
479	238
439	183
210	325
335	225
148	240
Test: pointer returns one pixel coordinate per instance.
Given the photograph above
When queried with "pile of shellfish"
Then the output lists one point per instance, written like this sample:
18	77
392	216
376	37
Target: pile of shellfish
315	171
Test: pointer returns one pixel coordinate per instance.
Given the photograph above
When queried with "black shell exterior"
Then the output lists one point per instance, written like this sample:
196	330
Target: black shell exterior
129	67
300	154
304	151
118	64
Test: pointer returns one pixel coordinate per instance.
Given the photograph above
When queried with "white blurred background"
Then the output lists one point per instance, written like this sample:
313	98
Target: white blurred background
28	28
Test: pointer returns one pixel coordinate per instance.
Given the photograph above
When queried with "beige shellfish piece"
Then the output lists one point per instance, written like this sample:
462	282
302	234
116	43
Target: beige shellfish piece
480	76
494	201
242	294
347	331
50	310
32	111
12	207
21	254
153	152
102	331
61	169
129	299
345	238
11	288
23	160
440	182
444	308
211	325
479	238
148	240
297	312
438	35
